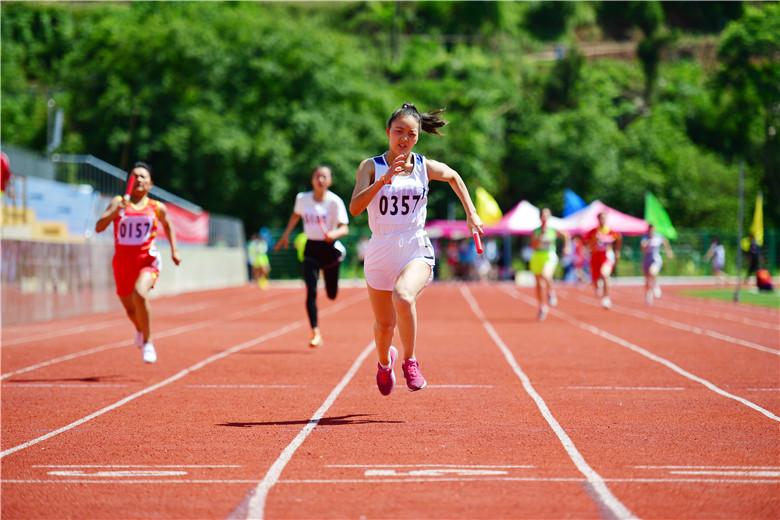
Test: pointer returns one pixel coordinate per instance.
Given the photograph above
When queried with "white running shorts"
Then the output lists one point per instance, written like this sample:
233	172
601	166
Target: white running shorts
387	255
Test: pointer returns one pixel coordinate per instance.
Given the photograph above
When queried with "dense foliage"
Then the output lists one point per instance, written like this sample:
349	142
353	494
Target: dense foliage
235	102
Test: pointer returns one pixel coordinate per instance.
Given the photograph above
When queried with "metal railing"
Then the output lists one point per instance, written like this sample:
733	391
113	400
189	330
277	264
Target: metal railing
108	180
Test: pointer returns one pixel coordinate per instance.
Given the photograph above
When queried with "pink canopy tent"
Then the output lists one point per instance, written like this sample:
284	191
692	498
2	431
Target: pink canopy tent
523	219
586	219
454	229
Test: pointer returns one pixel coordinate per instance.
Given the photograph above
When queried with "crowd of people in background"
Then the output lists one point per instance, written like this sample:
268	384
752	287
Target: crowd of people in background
457	259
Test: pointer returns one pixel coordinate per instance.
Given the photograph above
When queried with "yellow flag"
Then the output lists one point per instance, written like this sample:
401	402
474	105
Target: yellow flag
757	227
487	207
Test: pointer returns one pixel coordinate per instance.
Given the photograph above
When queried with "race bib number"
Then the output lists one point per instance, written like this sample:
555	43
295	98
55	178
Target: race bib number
400	203
135	230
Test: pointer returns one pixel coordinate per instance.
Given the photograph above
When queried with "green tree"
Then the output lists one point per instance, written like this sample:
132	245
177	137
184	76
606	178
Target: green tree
748	80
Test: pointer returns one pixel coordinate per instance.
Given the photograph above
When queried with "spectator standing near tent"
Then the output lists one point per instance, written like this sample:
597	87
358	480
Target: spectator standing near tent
652	262
257	252
717	253
604	247
136	260
545	260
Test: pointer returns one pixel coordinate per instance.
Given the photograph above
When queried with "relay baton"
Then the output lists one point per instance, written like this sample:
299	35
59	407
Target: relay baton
128	191
324	229
478	242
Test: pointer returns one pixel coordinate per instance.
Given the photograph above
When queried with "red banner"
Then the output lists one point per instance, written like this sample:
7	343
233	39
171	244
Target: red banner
190	228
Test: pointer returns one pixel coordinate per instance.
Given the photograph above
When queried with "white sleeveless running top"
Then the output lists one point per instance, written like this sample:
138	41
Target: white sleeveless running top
403	205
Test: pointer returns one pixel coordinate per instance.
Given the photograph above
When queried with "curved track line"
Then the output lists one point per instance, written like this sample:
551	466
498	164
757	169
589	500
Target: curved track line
256	508
126	342
603	496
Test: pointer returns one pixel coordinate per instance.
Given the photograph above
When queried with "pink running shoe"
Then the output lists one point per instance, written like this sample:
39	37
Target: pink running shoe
414	379
385	379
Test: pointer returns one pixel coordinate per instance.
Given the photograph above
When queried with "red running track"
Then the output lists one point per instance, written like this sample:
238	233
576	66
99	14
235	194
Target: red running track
669	411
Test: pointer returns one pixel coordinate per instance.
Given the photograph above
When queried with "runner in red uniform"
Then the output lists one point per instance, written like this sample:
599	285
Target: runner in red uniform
136	260
604	253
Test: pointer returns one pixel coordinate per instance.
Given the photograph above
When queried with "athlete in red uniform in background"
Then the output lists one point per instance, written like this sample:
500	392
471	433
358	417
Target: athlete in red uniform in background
604	247
136	260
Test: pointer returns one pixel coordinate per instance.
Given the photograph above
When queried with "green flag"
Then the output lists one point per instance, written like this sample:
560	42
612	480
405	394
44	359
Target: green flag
656	215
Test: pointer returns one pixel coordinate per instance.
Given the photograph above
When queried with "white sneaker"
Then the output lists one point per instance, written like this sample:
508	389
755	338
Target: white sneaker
552	299
657	291
606	302
139	339
150	355
649	297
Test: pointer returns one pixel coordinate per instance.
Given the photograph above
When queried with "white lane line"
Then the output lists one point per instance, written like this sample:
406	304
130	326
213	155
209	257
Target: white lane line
647	354
245	386
65	332
137	466
435	472
697	330
459	386
112	323
12	384
728	473
127	342
718	315
75	355
398	480
197	366
722	471
150	389
647	388
749	468
529	479
125	473
603	494
363	466
687	328
256	508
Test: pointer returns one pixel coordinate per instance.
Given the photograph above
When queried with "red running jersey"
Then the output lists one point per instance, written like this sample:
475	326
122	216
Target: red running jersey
604	239
136	229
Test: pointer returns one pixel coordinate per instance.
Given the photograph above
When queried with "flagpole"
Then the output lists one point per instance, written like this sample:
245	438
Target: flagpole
739	231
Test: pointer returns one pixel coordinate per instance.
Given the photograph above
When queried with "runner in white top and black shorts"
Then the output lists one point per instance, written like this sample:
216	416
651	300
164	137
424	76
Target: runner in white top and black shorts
324	222
399	261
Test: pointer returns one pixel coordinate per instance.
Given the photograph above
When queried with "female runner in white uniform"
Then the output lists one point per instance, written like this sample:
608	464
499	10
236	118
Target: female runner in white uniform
399	262
325	220
652	262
